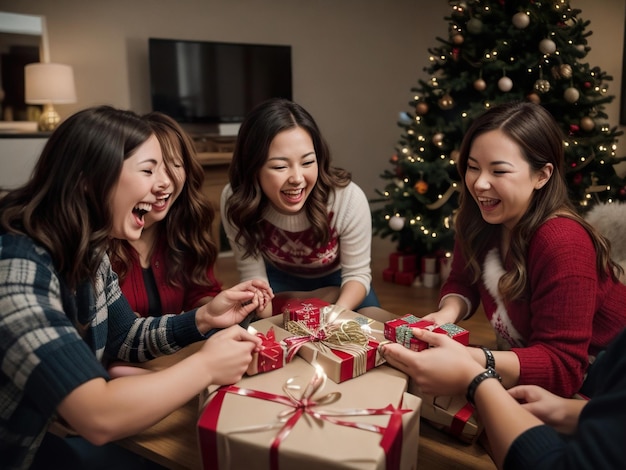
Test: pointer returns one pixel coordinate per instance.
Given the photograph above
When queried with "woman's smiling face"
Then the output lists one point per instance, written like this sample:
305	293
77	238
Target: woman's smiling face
500	179
290	171
134	193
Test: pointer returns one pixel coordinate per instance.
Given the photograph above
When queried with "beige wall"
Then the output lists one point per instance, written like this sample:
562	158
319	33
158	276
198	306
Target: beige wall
354	61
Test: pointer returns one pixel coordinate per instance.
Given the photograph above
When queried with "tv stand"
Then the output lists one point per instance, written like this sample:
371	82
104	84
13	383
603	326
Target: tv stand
214	154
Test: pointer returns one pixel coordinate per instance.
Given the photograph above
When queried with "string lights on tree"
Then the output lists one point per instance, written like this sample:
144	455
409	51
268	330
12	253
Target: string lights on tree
496	52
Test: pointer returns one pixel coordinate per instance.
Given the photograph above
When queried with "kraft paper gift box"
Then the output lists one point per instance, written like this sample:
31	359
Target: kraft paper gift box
340	362
272	356
398	330
451	414
255	425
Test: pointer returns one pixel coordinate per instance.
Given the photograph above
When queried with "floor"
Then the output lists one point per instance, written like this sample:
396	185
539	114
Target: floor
395	298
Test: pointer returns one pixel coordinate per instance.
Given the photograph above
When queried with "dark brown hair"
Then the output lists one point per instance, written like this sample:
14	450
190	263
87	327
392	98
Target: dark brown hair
540	140
64	206
247	204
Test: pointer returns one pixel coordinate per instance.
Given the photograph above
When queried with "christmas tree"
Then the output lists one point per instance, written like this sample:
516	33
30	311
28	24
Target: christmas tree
496	51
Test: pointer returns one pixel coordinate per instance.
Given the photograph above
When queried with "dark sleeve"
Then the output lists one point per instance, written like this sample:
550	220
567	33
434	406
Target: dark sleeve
600	440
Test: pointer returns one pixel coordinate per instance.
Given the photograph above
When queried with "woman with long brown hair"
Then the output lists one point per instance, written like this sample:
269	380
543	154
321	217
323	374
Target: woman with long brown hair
543	275
293	218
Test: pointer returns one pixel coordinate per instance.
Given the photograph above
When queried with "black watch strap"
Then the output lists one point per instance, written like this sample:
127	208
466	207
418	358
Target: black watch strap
471	389
491	361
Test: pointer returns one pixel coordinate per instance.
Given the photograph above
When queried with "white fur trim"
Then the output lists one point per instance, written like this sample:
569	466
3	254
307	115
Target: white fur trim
500	321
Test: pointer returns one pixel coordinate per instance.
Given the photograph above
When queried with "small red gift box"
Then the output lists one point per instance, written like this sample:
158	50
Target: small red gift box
272	356
405	278
399	331
307	311
391	326
403	262
389	275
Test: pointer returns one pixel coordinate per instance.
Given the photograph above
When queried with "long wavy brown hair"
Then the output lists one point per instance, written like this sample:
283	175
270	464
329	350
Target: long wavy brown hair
247	204
191	251
540	140
64	206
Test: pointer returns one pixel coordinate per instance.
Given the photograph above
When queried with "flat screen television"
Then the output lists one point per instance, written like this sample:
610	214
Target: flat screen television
215	82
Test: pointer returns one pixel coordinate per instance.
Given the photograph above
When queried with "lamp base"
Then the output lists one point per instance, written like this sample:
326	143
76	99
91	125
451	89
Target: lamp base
49	118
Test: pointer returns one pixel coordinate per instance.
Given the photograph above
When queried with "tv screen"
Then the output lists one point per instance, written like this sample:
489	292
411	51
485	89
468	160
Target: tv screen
215	82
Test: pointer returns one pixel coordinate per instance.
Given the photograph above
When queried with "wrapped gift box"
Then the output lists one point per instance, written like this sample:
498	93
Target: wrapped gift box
389	275
272	356
405	278
451	414
403	262
340	364
307	311
398	330
240	427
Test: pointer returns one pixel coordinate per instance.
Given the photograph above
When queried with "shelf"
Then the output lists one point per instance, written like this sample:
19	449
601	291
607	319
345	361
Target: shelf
214	158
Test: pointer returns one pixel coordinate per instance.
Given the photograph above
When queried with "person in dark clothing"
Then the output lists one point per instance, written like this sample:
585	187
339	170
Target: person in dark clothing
527	426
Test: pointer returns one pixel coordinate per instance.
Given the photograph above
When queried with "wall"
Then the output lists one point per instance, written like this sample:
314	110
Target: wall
354	61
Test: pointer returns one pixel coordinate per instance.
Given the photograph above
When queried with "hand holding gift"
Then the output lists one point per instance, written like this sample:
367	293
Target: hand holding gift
440	375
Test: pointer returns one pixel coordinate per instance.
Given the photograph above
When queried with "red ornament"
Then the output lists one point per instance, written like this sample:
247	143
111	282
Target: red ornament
456	52
587	84
578	178
394	158
574	128
622	193
573	164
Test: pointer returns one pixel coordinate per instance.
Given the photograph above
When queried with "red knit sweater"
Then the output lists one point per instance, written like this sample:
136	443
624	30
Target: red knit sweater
173	299
567	314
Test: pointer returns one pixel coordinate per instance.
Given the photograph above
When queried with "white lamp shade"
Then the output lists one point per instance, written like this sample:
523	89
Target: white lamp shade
49	83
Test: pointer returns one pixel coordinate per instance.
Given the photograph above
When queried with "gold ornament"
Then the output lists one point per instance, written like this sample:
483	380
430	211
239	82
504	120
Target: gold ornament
421	108
571	95
421	187
542	85
458	39
533	98
566	71
438	138
446	102
587	124
480	85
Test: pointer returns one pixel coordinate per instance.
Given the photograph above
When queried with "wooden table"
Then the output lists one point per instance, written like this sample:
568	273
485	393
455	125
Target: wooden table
173	441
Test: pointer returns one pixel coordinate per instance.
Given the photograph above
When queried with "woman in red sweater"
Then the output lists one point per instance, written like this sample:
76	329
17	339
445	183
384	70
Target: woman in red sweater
169	269
544	276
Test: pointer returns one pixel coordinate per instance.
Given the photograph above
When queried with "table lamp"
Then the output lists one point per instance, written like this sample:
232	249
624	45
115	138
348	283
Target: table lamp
48	84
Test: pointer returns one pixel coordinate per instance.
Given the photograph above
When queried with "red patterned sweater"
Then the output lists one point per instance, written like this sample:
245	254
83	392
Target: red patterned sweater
568	314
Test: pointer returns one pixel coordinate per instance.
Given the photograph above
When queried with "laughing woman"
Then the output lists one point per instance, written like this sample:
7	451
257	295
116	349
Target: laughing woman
293	218
169	269
544	276
63	317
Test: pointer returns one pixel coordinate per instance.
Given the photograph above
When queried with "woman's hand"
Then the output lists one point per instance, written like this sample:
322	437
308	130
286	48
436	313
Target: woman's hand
560	413
231	306
229	353
446	368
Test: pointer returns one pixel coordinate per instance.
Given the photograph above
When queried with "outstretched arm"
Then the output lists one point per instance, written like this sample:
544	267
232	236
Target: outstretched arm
103	411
